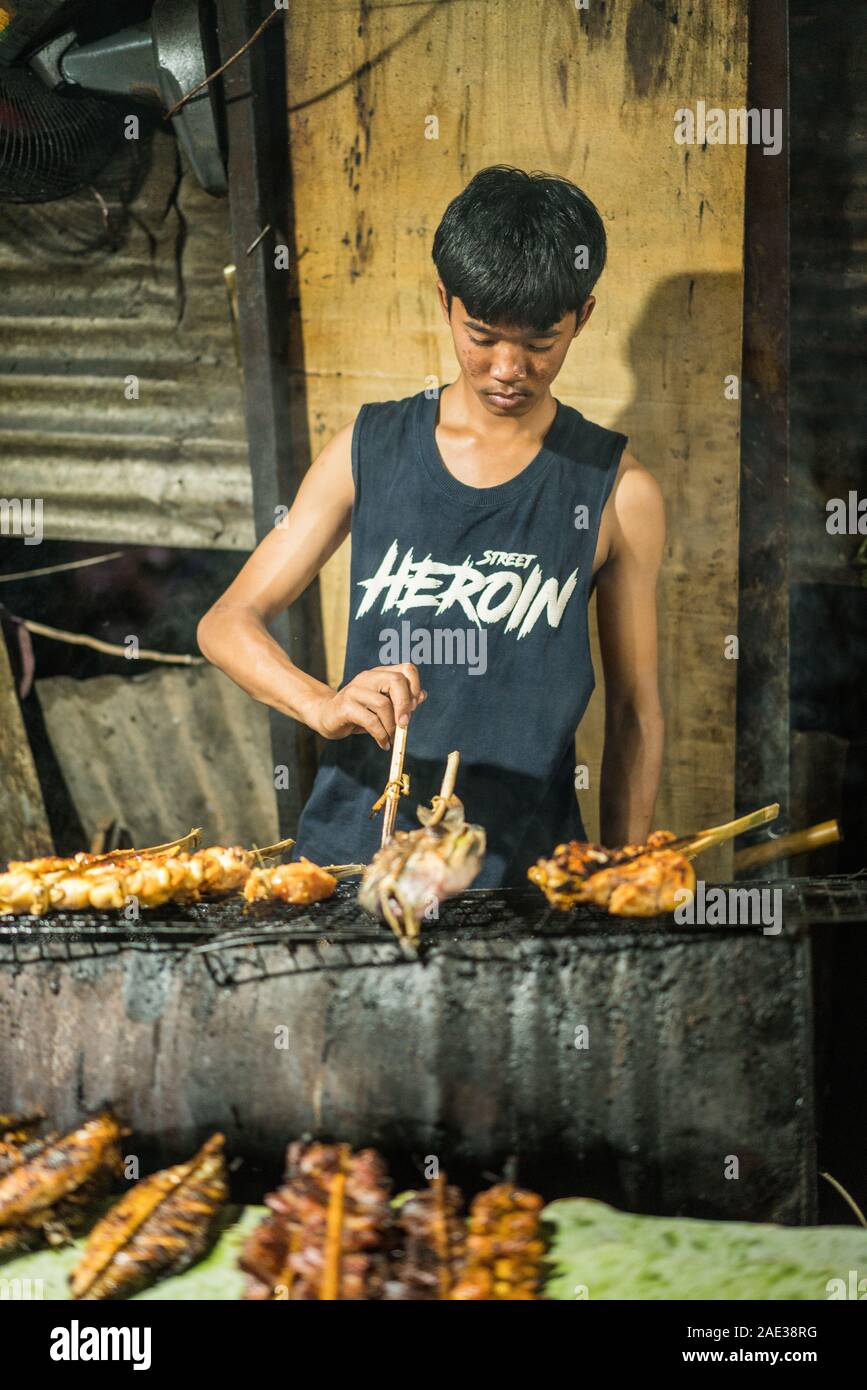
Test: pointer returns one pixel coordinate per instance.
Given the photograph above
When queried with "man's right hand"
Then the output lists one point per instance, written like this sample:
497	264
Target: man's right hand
373	702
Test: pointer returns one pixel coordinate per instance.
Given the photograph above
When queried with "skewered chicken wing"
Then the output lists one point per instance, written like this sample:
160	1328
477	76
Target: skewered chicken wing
626	881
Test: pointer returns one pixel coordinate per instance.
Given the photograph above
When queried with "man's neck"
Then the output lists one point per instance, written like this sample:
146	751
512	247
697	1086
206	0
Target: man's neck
482	449
461	410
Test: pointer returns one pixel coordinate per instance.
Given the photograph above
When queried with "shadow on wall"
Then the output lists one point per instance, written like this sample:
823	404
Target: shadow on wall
680	425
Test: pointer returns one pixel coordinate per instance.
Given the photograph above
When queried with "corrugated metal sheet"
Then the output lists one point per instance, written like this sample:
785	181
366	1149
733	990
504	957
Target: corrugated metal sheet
163	752
170	468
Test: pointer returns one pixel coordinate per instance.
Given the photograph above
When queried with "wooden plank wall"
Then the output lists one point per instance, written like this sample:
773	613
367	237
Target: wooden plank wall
589	94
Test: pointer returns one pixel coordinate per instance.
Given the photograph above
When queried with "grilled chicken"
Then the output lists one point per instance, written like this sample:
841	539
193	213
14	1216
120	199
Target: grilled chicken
298	882
433	1245
103	883
161	1227
645	887
18	1139
418	869
626	885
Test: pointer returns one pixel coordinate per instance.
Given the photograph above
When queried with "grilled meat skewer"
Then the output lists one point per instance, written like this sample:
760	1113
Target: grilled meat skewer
434	1244
635	880
417	869
298	882
628	883
329	1231
505	1248
151	878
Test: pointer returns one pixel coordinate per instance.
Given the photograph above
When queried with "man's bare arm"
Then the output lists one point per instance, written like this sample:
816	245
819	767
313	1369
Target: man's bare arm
234	635
626	611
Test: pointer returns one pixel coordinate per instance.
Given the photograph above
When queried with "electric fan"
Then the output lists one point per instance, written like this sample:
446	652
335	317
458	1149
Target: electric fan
70	80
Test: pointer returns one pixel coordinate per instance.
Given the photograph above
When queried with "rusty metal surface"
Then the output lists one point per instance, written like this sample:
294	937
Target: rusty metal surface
169	468
163	752
700	1045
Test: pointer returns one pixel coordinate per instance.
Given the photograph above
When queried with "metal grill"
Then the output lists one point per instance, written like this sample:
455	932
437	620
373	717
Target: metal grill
240	942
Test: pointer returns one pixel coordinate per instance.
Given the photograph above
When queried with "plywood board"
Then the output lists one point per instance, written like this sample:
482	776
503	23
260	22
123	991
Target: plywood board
592	95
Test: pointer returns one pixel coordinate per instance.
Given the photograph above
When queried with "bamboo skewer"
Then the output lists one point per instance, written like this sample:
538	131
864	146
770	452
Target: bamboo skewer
329	1289
397	785
191	838
718	834
440	803
441	1236
691	845
272	849
827	832
343	870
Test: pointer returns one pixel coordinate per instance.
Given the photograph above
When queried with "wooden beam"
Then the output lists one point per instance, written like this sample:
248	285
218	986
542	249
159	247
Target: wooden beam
24	829
260	198
763	722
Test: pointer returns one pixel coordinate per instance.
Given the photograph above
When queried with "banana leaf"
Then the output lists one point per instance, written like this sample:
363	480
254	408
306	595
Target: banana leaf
215	1278
595	1252
598	1252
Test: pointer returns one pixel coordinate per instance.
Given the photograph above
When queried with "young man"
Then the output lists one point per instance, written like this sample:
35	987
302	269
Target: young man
482	516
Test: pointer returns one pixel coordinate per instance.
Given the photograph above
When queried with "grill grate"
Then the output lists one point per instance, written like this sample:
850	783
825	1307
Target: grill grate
338	935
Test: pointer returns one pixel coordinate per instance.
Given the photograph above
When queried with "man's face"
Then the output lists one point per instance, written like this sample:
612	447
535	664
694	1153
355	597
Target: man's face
510	369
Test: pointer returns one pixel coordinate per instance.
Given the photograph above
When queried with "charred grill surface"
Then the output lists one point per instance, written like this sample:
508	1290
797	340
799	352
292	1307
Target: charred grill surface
477	915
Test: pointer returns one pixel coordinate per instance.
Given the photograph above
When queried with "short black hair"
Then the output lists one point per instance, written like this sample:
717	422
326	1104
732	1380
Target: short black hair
507	246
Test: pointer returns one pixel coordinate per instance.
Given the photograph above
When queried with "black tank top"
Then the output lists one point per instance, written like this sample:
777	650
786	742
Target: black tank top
486	590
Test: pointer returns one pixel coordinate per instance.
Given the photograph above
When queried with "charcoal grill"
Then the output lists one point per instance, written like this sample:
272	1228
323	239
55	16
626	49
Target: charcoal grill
699	1041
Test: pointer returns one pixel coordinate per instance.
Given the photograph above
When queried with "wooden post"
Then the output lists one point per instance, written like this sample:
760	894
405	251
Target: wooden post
24	829
763	724
259	197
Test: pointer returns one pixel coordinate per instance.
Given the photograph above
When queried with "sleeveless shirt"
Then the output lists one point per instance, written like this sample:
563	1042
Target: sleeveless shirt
486	590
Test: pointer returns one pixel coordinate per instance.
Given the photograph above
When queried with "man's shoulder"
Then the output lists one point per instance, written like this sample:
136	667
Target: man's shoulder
636	500
583	425
397	405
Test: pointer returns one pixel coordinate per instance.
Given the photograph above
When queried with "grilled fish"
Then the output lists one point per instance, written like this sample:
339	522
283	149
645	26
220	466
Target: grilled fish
161	1227
47	1195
